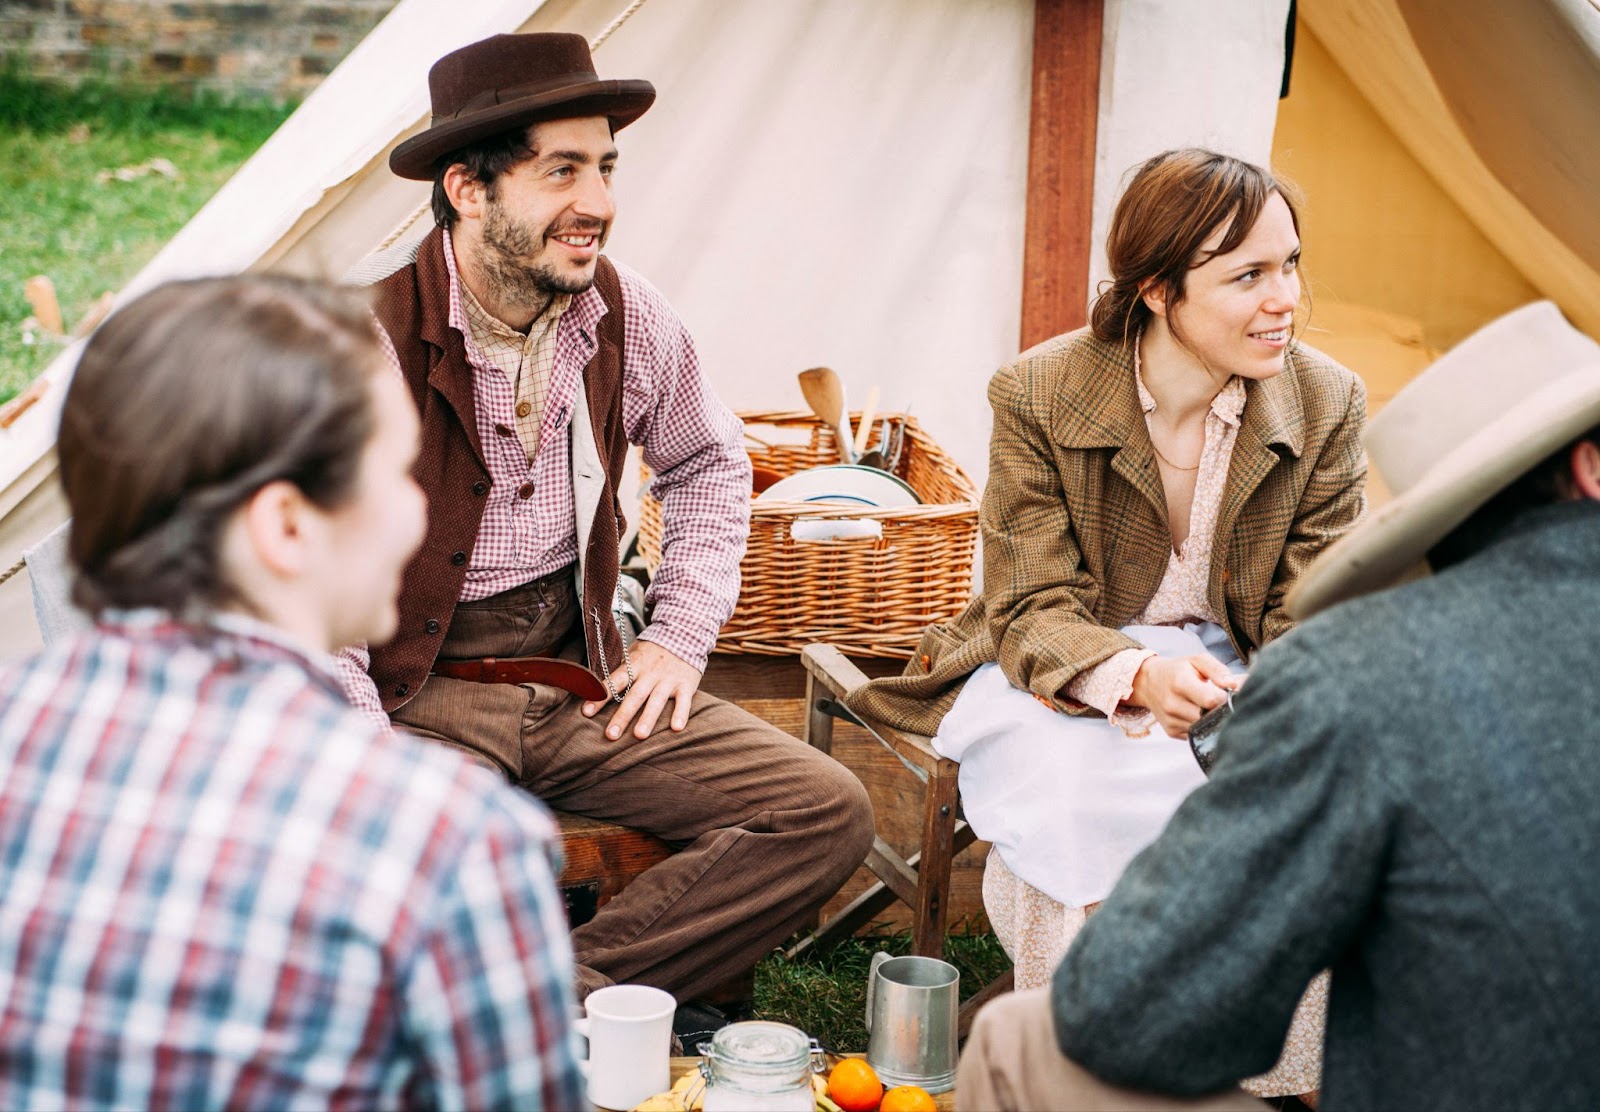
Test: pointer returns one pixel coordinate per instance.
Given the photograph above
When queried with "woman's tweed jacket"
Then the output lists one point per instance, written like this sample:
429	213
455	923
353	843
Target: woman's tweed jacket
1074	521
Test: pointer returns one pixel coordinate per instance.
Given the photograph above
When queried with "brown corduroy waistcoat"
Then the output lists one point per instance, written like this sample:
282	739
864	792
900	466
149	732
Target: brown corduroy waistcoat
412	304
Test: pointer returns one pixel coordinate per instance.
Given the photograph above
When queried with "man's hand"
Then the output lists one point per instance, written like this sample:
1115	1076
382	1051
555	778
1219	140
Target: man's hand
657	677
1178	690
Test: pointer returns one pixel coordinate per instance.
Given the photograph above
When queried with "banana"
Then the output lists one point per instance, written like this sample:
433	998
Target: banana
688	1095
661	1102
691	1091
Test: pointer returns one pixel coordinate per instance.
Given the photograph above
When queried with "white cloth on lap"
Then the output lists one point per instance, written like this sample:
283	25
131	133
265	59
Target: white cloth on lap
1069	801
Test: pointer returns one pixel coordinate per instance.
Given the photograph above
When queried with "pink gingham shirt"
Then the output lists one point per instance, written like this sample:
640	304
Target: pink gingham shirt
692	442
526	359
1182	596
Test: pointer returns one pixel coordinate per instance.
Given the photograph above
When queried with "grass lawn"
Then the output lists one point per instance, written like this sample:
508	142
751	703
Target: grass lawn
825	995
64	213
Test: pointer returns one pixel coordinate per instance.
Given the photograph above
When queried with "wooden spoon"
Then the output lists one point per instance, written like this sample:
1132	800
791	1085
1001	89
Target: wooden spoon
825	395
864	429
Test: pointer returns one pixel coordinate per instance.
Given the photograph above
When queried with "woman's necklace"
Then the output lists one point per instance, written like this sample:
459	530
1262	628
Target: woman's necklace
1169	463
1138	342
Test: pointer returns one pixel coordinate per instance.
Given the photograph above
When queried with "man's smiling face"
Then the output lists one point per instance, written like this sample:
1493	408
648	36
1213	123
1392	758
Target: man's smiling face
546	218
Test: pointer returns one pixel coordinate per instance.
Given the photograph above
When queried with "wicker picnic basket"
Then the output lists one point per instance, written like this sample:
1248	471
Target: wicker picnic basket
869	597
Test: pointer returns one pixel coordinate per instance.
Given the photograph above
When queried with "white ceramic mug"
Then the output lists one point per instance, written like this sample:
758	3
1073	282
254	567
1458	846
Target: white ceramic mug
629	1028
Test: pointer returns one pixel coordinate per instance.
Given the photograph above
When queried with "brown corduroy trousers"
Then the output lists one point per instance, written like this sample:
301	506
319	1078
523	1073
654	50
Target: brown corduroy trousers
766	828
1012	1062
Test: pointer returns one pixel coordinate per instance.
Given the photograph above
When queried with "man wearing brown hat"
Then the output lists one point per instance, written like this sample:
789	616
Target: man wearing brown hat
1408	792
534	362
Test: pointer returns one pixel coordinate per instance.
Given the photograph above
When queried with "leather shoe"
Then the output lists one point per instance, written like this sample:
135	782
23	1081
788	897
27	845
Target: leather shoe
694	1023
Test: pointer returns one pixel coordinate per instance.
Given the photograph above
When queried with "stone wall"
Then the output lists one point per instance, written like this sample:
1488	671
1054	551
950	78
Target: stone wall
278	48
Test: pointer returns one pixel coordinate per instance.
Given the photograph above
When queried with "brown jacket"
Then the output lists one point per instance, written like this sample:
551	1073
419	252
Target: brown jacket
1074	521
412	304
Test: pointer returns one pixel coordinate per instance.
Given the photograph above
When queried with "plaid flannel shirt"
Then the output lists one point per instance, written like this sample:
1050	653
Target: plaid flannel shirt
222	887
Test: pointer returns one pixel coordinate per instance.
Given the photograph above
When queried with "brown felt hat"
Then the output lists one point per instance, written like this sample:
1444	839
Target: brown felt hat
506	82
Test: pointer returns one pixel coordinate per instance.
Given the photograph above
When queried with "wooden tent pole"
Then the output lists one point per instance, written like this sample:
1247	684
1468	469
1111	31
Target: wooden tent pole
1061	136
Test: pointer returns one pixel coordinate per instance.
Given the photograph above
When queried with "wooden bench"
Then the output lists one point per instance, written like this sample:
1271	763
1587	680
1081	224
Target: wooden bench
600	859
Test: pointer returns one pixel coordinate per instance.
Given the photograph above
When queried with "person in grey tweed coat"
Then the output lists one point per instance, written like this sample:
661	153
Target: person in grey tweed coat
1408	792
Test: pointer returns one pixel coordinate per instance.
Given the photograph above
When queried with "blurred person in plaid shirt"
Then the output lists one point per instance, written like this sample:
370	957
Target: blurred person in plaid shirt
223	886
534	362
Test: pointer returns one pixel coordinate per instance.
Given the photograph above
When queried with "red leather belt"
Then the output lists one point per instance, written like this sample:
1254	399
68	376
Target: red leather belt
547	670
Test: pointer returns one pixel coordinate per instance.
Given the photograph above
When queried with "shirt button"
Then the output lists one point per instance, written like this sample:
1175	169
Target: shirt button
503	430
458	559
524	408
403	689
431	626
525	490
480	487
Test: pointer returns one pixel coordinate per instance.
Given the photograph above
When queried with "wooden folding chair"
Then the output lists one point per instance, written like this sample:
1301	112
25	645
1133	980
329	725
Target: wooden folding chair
921	881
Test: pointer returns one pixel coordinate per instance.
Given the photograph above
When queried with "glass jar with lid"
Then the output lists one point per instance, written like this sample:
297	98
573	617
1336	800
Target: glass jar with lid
757	1066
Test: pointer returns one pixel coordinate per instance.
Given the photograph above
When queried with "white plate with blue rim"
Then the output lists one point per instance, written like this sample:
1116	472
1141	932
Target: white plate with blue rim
846	484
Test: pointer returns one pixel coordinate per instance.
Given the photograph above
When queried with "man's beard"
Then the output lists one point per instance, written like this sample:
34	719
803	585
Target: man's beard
505	244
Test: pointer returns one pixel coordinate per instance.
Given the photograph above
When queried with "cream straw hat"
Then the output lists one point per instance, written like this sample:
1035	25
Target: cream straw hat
1481	416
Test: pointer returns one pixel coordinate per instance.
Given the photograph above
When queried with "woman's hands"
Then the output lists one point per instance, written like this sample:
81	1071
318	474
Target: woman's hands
1179	689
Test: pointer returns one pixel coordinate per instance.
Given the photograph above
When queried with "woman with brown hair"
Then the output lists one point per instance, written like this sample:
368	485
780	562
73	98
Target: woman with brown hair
1157	482
224	885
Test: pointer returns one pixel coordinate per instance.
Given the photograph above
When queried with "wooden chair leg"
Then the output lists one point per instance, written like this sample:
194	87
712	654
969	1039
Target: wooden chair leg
819	723
819	735
933	870
869	904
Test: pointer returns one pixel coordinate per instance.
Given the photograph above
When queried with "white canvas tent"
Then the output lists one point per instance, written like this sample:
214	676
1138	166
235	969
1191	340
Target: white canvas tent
829	182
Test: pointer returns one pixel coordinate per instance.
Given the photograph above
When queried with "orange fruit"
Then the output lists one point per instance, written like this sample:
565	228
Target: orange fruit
854	1086
907	1098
